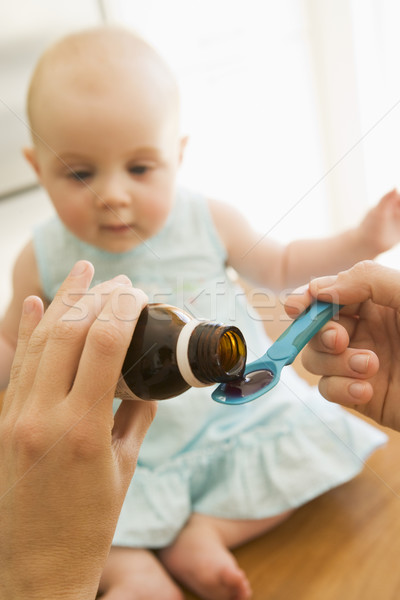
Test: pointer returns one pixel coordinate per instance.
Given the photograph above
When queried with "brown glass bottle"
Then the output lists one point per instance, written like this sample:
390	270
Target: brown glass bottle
171	352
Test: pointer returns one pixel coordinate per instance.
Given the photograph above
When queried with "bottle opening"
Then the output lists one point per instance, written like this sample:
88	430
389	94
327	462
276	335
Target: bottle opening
215	353
230	347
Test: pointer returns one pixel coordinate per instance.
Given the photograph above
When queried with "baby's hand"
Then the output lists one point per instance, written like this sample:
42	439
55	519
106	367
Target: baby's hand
380	228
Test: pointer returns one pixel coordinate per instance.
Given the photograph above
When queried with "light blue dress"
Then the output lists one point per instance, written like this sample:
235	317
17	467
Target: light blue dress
239	462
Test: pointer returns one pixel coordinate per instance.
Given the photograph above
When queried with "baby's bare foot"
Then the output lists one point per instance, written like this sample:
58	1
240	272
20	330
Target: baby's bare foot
199	560
136	573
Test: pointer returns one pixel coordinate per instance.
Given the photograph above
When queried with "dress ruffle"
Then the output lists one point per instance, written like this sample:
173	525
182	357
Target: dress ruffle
290	457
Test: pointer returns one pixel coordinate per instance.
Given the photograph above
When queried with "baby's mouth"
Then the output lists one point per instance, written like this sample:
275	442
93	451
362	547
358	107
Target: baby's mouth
117	228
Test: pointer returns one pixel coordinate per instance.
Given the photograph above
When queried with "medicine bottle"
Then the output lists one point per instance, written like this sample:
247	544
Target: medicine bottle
171	352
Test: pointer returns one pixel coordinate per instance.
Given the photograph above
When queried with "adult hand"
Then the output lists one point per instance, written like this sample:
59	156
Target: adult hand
358	354
66	462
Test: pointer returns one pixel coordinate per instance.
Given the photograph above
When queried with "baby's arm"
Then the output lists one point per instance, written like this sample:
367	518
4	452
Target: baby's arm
253	255
378	231
25	283
316	257
265	262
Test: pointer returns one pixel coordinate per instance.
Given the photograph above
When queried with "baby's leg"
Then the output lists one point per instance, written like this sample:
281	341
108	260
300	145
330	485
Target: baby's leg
135	573
200	559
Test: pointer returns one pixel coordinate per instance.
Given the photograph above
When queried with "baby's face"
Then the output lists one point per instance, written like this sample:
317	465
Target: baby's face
109	164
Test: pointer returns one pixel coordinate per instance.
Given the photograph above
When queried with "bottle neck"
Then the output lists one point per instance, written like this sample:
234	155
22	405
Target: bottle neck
210	353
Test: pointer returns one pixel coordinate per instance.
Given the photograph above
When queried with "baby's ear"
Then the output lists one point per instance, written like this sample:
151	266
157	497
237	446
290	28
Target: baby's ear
182	145
30	155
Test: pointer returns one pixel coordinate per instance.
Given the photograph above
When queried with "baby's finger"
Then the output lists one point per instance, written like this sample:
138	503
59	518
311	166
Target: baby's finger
32	312
346	391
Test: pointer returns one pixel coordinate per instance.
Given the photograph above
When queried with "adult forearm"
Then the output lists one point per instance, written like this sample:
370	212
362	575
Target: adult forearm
65	462
50	577
48	593
59	591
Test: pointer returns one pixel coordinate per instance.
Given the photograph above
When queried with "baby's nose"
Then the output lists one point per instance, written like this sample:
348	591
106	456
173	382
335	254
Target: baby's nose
113	192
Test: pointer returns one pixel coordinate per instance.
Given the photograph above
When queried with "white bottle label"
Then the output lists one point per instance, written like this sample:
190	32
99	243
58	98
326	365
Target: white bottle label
182	354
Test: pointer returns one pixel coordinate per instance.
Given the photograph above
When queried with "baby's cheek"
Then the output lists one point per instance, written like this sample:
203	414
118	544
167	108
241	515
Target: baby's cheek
157	213
75	219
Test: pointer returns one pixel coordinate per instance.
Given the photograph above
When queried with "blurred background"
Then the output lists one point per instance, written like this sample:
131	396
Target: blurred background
292	108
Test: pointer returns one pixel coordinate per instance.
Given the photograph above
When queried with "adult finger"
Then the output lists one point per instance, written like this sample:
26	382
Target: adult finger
131	422
367	280
74	286
105	348
32	312
302	297
334	337
77	282
345	391
66	339
352	363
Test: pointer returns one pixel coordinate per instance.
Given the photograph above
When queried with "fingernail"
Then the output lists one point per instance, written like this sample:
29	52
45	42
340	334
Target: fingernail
359	362
322	283
356	389
79	268
328	338
122	279
300	290
125	306
29	305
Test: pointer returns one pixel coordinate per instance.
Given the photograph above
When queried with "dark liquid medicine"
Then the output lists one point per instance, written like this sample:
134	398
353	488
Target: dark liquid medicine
249	384
171	352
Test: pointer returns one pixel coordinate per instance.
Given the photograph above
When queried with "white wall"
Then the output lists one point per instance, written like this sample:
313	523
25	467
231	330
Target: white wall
26	29
249	104
292	109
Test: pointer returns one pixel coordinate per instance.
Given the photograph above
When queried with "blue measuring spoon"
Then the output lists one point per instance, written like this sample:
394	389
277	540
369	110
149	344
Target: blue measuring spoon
263	374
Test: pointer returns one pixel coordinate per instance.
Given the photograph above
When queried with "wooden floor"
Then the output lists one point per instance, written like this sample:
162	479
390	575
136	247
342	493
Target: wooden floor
344	545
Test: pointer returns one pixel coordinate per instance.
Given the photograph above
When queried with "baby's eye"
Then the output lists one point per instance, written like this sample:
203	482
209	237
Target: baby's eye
79	175
138	169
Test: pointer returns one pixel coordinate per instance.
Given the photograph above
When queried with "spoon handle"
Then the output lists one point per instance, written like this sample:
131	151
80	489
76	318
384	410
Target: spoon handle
296	336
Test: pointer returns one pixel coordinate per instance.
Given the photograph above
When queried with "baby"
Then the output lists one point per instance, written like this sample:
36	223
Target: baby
104	113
